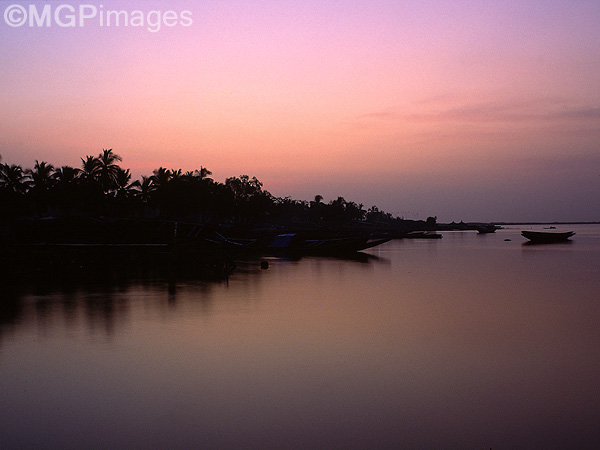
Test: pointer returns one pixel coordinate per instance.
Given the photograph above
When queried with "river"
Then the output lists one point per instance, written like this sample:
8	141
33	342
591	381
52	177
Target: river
466	342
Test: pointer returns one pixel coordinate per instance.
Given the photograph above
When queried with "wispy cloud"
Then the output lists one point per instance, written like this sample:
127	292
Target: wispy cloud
549	109
491	112
579	113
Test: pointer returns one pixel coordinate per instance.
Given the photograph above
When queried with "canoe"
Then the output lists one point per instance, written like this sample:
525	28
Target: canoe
484	229
423	235
291	242
547	236
296	243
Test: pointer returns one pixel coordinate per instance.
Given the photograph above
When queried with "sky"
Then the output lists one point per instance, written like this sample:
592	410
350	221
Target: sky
465	110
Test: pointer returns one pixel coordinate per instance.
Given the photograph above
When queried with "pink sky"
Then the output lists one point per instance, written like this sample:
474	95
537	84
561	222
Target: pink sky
470	110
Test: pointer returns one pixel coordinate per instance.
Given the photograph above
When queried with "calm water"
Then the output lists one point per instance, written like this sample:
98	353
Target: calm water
468	342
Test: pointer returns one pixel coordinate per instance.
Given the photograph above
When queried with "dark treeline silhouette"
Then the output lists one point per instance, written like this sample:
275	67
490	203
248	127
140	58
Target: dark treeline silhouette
100	187
95	219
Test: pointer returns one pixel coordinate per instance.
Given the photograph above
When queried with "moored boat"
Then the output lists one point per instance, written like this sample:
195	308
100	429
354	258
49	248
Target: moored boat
547	236
488	228
292	242
297	243
423	235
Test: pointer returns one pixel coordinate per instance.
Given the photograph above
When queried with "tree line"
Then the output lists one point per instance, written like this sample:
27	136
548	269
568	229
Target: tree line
101	187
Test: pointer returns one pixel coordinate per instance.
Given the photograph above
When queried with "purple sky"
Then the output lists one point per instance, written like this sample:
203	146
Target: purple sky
467	110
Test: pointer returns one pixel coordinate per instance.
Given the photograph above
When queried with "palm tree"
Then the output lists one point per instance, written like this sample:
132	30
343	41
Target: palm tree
14	179
204	173
123	188
89	169
146	188
42	176
176	175
108	169
90	195
66	175
14	184
66	192
161	177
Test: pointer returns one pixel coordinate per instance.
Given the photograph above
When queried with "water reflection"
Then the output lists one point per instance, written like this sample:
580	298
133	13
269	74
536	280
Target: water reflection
546	244
462	342
104	300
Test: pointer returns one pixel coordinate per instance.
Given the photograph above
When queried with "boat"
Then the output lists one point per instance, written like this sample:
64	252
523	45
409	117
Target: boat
294	243
423	235
297	243
547	236
483	229
341	245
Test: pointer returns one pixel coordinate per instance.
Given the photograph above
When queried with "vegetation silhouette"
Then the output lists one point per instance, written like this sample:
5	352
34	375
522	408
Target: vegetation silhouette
100	187
95	218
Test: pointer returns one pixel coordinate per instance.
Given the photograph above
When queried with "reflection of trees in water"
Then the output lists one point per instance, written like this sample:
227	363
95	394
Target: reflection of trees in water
99	306
10	309
43	308
105	302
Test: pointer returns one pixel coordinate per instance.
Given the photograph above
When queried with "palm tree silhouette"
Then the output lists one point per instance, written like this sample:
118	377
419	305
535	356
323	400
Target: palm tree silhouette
14	184
146	189
66	193
176	176
90	193
89	169
123	188
14	179
203	173
102	187
42	176
161	177
65	175
108	169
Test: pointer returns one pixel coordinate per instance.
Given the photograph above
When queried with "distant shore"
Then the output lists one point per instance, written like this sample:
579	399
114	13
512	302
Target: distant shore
547	223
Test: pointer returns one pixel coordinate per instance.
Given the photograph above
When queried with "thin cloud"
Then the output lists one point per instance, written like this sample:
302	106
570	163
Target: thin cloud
580	113
491	112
